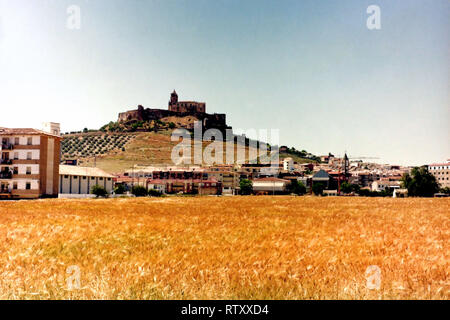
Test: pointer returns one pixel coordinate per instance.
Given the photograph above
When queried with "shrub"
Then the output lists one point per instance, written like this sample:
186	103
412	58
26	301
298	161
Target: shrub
119	189
154	193
297	187
318	188
346	187
99	191
246	186
139	191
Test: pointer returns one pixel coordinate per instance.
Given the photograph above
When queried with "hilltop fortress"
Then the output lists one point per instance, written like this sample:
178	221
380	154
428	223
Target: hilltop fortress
195	111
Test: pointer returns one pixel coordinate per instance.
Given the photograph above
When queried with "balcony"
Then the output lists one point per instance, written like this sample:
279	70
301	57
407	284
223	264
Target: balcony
6	162
5	175
7	146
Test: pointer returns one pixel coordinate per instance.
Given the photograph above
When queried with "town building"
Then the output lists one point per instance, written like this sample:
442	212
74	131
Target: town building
288	164
75	180
321	177
385	185
270	185
442	173
29	162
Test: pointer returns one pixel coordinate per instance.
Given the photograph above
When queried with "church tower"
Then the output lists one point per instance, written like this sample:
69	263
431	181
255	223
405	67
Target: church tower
173	103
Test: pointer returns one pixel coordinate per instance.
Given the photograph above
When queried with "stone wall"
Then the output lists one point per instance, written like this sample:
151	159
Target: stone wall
215	120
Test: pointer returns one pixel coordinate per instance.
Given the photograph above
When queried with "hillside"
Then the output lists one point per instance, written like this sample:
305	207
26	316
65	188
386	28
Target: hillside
116	152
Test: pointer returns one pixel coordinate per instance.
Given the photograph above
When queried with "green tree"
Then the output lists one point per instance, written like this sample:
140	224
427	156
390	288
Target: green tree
171	125
139	191
420	183
246	186
119	189
296	187
346	187
355	188
99	191
318	188
445	190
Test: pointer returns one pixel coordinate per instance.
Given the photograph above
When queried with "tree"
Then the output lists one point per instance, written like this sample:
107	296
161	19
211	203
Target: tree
355	188
420	183
171	125
119	189
445	190
296	187
318	188
346	187
139	191
246	186
99	191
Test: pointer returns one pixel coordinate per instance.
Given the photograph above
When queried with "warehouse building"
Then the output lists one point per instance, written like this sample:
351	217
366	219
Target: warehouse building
80	180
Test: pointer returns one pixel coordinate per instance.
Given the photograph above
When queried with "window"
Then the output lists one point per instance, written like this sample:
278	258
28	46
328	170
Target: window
15	170
16	141
15	185
16	156
29	141
29	155
28	186
84	178
92	178
109	179
75	177
66	177
101	179
28	170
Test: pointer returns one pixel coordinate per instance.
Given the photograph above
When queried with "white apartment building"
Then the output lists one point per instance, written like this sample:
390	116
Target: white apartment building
29	163
442	173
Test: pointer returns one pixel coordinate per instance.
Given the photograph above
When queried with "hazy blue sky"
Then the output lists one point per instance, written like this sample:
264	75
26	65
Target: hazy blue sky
310	68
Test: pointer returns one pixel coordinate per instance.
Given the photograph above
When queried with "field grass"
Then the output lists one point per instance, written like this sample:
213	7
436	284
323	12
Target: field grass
120	152
225	248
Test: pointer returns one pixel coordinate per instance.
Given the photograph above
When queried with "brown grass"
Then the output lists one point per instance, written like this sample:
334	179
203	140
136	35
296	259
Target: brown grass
225	248
146	149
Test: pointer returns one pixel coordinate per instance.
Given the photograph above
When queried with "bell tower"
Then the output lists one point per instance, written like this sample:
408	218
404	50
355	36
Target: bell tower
173	101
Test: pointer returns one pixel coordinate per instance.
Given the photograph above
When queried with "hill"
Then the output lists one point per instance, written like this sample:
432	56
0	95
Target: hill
119	151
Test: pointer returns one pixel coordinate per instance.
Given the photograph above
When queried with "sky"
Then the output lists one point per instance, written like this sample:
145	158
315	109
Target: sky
311	69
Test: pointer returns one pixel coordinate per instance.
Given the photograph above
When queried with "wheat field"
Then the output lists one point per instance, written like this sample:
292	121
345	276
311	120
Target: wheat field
224	248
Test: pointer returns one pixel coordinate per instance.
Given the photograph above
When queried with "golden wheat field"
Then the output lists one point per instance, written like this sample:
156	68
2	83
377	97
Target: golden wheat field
224	248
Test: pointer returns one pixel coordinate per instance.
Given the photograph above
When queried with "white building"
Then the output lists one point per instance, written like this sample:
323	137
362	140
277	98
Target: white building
288	164
381	185
269	185
442	173
80	180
